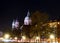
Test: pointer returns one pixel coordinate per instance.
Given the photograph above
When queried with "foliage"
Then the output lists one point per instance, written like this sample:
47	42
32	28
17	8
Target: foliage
38	19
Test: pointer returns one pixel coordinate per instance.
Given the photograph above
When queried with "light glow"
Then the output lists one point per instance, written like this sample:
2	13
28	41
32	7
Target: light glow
23	37
53	24
6	36
52	36
15	38
37	37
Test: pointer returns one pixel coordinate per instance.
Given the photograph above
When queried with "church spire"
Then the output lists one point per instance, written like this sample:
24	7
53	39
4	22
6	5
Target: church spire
15	24
28	13
27	20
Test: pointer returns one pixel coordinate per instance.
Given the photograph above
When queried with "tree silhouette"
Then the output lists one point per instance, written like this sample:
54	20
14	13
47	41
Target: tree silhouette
38	19
36	29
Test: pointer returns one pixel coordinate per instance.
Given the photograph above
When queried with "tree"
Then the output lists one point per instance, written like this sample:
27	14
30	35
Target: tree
38	19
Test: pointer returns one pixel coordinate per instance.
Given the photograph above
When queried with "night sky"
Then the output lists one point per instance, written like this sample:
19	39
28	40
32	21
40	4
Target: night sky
10	10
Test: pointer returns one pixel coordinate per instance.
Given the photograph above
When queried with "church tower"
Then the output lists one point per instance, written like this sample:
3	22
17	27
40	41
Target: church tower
27	19
15	24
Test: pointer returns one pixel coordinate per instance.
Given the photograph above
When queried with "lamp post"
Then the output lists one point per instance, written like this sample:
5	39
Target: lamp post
23	39
54	26
52	37
6	36
37	39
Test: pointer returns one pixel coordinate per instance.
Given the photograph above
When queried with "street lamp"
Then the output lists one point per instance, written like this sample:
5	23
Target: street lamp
6	36
37	38
52	37
23	37
15	38
54	26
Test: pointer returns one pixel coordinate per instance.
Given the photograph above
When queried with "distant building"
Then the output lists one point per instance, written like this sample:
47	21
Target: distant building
27	20
55	27
15	24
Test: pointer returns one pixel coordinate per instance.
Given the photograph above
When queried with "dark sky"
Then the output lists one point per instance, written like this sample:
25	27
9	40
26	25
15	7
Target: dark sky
11	9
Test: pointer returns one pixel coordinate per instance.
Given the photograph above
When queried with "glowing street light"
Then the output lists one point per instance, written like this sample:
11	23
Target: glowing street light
52	37
6	36
37	37
23	37
15	38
